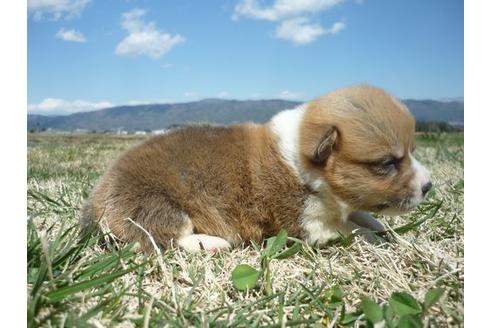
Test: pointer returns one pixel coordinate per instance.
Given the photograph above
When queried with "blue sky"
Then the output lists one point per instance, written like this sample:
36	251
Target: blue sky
89	54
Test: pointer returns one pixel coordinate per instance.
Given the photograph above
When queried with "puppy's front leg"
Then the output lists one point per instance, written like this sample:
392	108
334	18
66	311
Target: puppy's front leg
366	225
366	220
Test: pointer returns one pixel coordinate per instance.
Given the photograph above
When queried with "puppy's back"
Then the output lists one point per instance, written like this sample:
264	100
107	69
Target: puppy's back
197	179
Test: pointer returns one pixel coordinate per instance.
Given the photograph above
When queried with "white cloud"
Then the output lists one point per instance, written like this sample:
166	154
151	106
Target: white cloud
294	16
223	94
143	37
281	9
70	35
56	9
189	94
299	30
336	27
62	106
135	102
290	95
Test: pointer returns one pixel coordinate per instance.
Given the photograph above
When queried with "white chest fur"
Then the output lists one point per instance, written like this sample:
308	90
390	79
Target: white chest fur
323	219
323	216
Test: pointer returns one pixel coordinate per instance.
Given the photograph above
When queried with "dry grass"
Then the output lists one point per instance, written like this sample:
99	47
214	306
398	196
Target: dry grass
181	289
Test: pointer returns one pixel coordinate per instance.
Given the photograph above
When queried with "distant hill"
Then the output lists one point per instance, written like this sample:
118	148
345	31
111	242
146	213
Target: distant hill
437	111
159	116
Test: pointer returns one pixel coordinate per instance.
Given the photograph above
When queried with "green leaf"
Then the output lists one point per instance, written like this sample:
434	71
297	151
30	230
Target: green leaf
432	296
349	318
410	321
275	244
334	296
244	277
291	251
403	304
371	309
389	316
337	294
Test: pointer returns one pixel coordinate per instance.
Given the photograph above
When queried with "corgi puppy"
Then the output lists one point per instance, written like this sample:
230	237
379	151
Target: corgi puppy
316	170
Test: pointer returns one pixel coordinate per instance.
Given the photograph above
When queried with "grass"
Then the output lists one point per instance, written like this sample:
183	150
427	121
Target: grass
73	282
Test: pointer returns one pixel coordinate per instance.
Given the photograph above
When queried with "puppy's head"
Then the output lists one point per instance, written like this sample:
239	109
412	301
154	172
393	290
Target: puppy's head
360	140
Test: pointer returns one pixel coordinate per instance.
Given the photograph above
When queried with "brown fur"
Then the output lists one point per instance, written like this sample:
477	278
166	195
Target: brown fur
369	125
228	180
232	182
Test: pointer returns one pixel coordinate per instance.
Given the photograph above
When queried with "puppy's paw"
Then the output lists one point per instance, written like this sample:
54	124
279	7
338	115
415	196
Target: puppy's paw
365	225
370	236
366	220
197	242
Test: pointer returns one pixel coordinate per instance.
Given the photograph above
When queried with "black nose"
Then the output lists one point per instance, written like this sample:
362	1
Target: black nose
426	188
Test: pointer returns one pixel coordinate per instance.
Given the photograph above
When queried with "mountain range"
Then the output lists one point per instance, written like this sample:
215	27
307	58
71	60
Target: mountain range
222	111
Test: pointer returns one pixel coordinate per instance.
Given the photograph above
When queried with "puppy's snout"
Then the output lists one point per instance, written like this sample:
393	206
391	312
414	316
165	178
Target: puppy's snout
426	187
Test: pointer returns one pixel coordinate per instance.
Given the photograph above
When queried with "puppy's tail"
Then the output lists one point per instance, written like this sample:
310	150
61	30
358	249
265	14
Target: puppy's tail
87	220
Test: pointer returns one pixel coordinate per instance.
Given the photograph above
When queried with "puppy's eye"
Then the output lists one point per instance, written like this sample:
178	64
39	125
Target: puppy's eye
390	163
385	166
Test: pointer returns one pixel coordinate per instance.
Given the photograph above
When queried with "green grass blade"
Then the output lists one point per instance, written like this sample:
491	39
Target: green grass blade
432	297
66	291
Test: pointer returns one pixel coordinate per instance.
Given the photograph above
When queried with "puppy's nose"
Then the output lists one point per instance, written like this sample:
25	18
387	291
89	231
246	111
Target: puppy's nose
426	188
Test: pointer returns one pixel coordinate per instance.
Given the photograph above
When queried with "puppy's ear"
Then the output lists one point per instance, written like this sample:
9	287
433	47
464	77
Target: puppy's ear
325	146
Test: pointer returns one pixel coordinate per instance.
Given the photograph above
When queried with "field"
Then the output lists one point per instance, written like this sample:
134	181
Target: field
416	278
